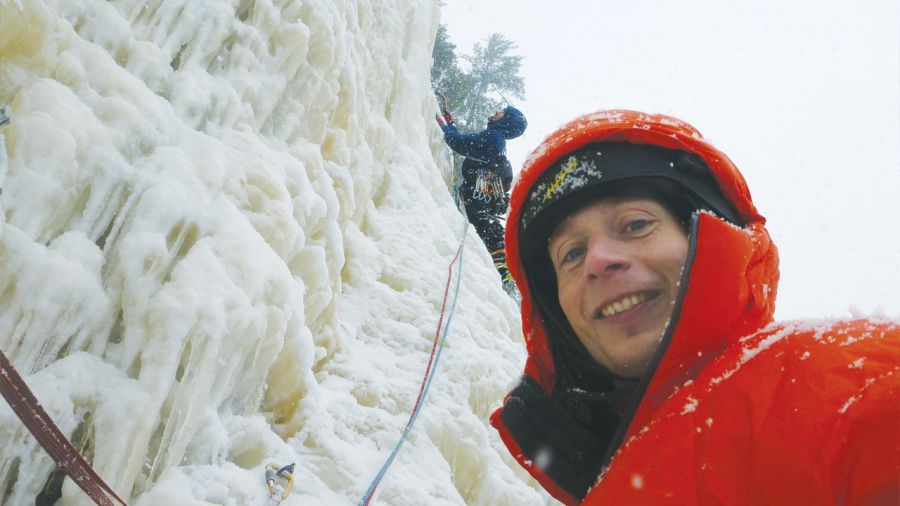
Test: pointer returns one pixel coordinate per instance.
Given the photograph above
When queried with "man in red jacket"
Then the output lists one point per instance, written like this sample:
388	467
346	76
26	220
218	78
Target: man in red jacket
655	373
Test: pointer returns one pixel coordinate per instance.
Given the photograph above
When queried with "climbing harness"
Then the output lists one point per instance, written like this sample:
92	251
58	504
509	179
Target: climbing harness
277	491
488	187
436	348
26	406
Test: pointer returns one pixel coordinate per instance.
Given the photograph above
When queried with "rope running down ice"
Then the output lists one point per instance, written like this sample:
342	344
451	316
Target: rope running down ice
436	349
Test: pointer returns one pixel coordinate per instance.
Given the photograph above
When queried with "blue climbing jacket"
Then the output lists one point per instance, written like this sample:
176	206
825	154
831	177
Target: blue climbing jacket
486	150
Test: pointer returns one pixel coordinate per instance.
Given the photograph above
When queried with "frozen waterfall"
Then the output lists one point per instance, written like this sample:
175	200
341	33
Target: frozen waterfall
225	237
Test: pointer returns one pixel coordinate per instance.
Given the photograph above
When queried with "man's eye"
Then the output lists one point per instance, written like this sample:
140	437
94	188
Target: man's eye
637	225
572	254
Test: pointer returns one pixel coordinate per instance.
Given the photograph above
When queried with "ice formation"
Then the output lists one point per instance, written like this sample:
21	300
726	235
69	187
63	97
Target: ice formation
225	237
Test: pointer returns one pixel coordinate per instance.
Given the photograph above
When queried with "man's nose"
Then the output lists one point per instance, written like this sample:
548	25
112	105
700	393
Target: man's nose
604	258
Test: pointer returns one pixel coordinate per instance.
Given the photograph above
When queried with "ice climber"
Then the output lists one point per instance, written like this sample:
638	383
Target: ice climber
655	373
487	175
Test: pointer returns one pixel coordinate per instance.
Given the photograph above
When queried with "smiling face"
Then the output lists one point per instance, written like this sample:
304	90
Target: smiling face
618	263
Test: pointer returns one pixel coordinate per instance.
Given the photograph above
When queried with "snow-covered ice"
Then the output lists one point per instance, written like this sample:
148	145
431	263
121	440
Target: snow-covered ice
225	238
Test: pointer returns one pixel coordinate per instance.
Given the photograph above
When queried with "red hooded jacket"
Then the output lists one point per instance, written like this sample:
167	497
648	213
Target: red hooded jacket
739	410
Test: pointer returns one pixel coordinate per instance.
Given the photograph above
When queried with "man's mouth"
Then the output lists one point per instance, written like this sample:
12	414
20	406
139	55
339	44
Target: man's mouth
624	304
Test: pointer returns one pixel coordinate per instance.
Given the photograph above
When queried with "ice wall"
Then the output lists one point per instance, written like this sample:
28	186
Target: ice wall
224	242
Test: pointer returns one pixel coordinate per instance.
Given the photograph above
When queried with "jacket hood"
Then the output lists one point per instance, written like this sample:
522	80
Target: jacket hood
727	291
728	285
512	124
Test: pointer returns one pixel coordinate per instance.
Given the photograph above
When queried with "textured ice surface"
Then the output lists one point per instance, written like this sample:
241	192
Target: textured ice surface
225	237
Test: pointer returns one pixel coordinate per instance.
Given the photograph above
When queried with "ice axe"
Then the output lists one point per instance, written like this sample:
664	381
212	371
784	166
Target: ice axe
445	107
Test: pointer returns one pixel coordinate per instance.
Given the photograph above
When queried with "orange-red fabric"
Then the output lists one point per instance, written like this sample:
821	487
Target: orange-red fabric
798	414
739	410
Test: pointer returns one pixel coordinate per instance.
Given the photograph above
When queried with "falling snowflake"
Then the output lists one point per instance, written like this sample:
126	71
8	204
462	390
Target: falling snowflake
637	481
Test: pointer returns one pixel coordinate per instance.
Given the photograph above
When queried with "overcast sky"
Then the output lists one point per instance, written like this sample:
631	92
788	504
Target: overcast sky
804	95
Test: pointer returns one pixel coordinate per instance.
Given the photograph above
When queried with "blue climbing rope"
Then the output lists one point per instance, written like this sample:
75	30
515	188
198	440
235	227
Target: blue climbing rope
436	350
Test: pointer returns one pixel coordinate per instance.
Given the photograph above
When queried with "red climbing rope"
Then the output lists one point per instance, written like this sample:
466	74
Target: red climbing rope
436	347
437	332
